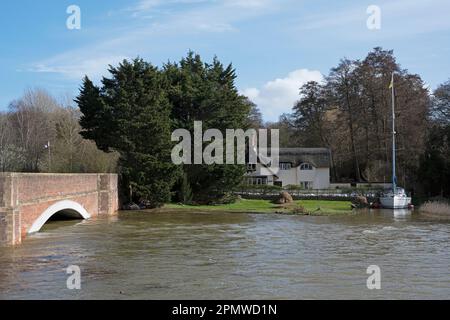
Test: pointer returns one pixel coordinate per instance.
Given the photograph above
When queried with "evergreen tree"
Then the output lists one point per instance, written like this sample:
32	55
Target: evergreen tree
130	114
434	172
205	92
185	191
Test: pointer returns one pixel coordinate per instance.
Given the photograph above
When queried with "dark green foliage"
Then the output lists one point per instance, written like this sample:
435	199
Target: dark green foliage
206	92
93	111
131	115
184	190
135	111
434	170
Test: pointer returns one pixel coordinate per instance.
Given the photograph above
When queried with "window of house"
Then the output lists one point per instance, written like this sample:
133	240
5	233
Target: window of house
251	167
306	185
260	181
306	166
285	165
257	181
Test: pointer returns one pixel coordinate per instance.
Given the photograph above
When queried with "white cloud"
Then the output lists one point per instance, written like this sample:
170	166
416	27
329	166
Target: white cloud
75	69
278	96
217	16
248	3
144	5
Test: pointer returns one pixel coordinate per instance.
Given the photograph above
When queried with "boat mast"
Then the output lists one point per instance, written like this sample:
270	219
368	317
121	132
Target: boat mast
394	179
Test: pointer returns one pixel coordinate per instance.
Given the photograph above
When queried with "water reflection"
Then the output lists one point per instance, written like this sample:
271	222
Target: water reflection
401	214
227	256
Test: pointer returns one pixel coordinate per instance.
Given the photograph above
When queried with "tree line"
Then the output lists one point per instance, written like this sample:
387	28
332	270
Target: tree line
135	111
350	113
38	133
124	125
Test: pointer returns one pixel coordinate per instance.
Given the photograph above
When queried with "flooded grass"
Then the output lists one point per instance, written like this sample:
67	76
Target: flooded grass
310	207
326	207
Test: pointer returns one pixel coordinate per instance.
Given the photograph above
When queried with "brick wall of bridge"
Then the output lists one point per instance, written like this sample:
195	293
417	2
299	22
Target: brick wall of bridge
25	196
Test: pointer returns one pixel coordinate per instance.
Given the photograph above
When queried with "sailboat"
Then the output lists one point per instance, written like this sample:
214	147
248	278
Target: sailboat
396	198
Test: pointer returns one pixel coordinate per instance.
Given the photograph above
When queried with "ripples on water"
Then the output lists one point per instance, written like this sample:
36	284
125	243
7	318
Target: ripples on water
140	255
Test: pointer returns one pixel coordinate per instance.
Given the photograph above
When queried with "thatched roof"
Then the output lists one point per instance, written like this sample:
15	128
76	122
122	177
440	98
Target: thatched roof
318	157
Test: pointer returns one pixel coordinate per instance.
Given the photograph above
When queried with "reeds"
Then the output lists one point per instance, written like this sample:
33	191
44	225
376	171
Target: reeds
440	208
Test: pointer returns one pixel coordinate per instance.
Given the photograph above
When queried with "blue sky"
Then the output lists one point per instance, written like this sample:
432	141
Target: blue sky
275	45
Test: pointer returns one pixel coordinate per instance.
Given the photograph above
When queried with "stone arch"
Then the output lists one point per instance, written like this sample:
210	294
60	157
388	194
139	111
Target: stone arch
70	208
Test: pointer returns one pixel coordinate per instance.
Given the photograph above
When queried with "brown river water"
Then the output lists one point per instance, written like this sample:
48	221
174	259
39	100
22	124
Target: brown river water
139	255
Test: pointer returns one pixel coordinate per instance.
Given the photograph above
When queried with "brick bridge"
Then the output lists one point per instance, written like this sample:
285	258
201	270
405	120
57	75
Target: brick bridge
28	200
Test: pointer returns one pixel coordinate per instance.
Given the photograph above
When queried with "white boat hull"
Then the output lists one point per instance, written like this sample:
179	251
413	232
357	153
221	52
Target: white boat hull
395	202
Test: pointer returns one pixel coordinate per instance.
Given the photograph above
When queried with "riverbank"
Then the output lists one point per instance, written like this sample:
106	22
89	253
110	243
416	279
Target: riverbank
300	207
436	209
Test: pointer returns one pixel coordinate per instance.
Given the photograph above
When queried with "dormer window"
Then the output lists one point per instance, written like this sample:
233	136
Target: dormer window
285	166
306	166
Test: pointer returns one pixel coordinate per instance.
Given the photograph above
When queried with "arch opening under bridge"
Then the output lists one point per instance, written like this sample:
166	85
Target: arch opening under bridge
66	209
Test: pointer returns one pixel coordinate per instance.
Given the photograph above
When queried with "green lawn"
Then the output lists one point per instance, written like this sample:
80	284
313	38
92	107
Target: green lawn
314	207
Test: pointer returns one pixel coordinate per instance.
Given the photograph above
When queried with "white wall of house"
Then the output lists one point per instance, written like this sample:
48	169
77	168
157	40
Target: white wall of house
322	178
288	176
317	178
263	171
307	175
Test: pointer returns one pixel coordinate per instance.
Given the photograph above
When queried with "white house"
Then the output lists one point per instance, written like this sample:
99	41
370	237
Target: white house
305	167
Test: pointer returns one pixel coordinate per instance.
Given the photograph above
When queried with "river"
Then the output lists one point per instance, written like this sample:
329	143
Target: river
139	255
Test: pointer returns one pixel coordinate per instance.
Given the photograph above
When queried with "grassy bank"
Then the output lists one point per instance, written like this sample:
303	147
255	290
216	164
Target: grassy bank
311	207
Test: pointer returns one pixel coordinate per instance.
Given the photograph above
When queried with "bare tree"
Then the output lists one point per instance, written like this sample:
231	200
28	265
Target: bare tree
41	134
351	112
11	156
32	119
